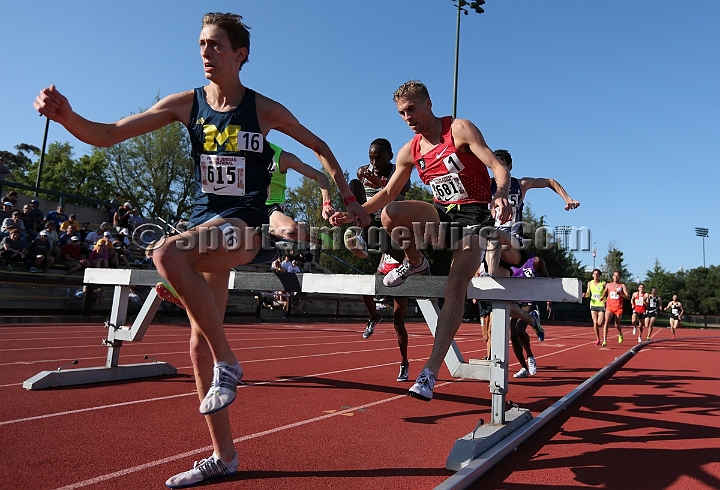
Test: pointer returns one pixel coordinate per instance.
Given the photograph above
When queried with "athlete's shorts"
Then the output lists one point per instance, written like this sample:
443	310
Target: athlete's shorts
597	308
614	311
464	219
252	217
675	317
651	314
639	315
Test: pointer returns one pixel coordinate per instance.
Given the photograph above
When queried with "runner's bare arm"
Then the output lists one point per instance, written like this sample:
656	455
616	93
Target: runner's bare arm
51	103
290	161
273	115
527	183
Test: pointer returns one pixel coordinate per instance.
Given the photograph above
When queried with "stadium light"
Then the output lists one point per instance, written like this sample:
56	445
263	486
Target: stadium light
565	231
702	232
476	5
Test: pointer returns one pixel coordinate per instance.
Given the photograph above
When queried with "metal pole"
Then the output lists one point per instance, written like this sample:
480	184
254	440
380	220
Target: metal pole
42	156
703	238
457	53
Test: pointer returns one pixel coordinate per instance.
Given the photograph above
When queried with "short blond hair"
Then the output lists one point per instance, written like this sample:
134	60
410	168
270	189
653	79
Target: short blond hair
413	87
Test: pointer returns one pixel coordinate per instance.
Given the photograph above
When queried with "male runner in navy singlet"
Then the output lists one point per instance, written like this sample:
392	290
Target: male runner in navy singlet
228	123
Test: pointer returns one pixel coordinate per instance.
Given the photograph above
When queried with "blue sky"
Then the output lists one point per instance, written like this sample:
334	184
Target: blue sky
618	101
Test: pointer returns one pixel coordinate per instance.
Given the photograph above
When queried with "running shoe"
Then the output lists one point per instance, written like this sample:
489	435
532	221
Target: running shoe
604	343
639	338
597	342
204	470
523	373
226	378
634	330
397	276
620	339
371	327
387	263
355	242
403	375
536	325
167	292
532	367
423	387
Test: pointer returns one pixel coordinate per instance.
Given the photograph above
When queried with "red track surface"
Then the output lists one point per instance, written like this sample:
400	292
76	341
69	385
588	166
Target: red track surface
321	409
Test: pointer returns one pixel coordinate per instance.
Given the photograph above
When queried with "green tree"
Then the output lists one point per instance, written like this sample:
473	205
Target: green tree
664	281
155	170
614	262
61	172
699	294
418	192
560	261
20	162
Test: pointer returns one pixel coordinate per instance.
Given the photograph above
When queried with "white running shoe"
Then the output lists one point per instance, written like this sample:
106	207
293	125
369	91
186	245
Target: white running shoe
532	367
397	276
204	470
523	373
634	331
423	387
355	242
226	378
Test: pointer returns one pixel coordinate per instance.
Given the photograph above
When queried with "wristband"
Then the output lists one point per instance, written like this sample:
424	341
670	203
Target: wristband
348	200
327	203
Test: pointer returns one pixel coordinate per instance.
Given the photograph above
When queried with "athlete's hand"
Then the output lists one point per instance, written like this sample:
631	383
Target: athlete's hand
501	209
571	204
359	216
52	104
340	218
328	211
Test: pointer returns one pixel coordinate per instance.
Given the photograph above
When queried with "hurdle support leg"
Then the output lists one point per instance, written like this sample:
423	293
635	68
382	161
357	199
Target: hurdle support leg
117	333
502	422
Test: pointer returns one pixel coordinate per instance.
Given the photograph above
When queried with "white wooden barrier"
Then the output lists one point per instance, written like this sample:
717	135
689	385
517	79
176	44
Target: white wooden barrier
499	291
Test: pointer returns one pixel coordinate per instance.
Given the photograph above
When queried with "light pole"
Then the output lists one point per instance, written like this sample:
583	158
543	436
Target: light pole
594	253
702	232
476	5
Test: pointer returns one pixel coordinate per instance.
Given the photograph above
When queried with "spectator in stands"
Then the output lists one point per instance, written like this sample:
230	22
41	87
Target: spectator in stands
38	215
113	207
122	251
53	238
11	249
12	196
135	219
293	267
286	263
58	216
147	261
124	236
99	255
71	221
70	231
305	260
84	231
276	266
7	209
112	254
93	236
29	222
122	216
72	255
14	221
39	253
